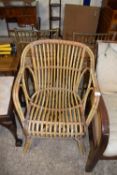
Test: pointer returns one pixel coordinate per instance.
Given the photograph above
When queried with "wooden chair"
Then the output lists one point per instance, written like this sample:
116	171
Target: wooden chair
50	77
103	128
91	38
7	117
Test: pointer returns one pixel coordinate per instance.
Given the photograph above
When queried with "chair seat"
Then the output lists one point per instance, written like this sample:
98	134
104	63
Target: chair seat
6	83
55	112
111	105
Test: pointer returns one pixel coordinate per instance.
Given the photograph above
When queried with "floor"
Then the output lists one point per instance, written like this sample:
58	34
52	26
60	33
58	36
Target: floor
47	157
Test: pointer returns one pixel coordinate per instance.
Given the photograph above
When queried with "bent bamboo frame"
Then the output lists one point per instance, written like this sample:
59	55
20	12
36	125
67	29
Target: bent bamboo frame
57	105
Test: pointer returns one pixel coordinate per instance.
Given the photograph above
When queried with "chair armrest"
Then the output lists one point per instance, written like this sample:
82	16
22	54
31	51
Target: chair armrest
99	127
103	117
91	96
19	90
93	107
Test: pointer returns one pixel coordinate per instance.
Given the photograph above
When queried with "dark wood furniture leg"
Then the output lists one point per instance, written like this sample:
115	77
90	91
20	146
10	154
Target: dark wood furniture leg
97	150
95	154
9	122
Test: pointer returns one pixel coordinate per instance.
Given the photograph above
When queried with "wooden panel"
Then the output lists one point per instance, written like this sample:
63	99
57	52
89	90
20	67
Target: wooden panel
26	20
80	19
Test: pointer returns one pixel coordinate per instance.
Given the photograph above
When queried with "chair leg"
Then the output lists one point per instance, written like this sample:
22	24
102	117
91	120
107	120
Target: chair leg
13	129
81	145
9	122
92	160
27	145
18	141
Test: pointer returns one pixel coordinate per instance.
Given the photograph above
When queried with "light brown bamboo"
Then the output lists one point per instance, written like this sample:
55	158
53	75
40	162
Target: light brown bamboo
56	108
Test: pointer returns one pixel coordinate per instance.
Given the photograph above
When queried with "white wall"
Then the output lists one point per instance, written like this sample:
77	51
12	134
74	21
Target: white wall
96	3
43	12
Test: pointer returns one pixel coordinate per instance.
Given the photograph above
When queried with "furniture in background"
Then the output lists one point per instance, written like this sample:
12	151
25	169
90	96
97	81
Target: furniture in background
103	128
91	39
23	37
112	3
9	63
50	78
108	18
7	116
80	19
55	19
8	2
23	15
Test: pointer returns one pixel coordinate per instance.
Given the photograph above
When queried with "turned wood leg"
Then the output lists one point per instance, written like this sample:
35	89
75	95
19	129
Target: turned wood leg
92	160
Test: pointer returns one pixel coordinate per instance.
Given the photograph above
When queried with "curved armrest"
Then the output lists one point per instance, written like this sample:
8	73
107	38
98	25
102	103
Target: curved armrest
19	85
99	127
103	117
94	107
92	96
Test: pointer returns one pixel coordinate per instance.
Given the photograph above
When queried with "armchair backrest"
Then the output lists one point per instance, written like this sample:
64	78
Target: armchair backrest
107	66
58	63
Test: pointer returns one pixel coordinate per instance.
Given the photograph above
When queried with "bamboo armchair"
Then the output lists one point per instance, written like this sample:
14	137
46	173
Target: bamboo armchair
91	39
50	78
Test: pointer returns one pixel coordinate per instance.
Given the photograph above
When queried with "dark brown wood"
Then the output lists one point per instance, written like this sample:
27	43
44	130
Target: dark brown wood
23	15
108	20
111	3
96	151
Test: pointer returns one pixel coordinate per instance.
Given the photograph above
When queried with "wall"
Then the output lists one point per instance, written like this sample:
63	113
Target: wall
42	11
96	3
